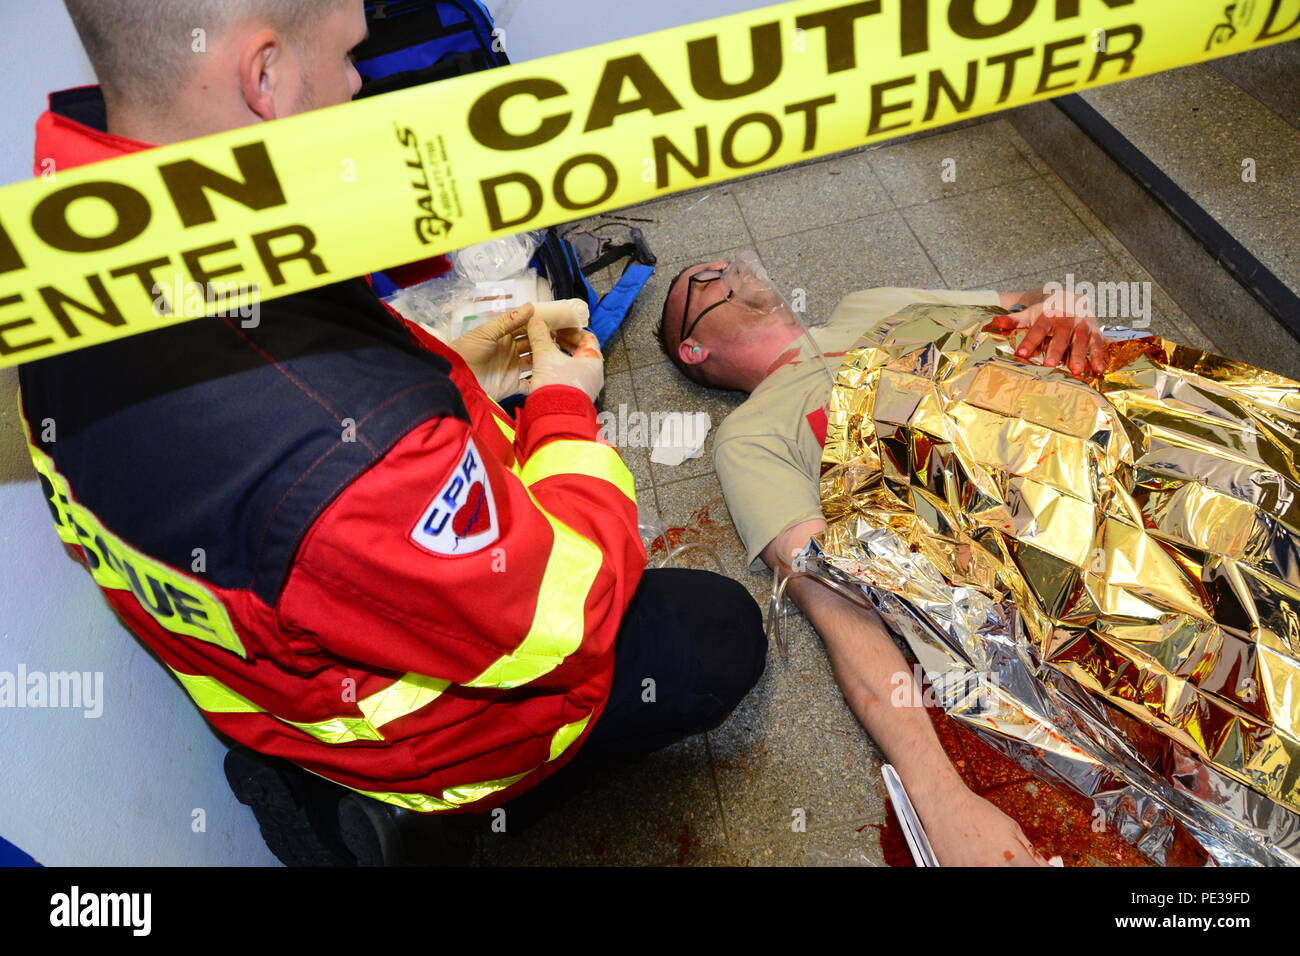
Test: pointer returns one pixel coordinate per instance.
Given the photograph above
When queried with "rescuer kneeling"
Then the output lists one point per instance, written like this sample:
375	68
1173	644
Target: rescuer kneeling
324	525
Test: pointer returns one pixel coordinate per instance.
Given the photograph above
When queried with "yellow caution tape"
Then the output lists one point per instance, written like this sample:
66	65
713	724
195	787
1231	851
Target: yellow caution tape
105	251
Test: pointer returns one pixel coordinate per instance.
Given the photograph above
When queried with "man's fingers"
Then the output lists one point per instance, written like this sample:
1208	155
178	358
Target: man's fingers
1080	342
1098	351
1033	339
569	339
539	337
512	322
1003	323
1060	334
1029	315
505	325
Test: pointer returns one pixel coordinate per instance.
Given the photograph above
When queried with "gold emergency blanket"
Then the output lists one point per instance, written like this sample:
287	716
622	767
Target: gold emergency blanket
1101	576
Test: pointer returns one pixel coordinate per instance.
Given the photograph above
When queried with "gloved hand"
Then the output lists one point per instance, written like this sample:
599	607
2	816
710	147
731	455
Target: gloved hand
497	352
492	353
584	368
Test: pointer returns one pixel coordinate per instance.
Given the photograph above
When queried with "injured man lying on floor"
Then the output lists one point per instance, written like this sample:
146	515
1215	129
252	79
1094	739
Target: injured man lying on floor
1067	513
724	326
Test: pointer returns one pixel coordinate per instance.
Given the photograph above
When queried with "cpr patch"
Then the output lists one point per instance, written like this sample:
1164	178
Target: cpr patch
462	518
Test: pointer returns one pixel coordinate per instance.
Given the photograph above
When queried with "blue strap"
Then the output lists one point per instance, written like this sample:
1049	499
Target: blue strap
613	309
384	286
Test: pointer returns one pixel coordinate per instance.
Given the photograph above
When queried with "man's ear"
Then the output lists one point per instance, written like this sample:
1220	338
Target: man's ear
692	352
259	62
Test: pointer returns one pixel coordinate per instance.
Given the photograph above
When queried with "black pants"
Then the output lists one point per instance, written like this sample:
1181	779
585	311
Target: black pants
689	649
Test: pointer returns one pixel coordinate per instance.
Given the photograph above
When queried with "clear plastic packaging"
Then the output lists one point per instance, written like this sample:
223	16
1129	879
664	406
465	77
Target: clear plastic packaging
451	305
487	279
497	259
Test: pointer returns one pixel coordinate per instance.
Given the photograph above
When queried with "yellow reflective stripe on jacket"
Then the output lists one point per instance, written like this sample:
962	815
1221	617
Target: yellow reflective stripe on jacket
580	458
501	424
180	604
559	622
459	796
565	736
213	696
423	803
402	697
337	730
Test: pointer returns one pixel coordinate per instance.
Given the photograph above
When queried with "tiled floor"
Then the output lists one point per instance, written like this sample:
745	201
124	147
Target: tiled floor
884	216
1200	128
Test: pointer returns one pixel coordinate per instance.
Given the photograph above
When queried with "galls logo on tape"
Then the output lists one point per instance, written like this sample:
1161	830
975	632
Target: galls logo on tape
462	519
433	183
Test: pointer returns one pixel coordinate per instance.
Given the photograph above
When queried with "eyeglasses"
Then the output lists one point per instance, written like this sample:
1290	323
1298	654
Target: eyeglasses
703	277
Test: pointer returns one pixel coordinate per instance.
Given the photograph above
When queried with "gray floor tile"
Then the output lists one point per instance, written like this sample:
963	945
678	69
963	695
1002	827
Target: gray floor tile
616	359
794	745
1084	214
659	809
683	226
941	130
1101	269
1036	162
1199	127
831	262
1167	317
978	157
1263	73
618	392
661	388
811	195
697	510
848	843
1001	232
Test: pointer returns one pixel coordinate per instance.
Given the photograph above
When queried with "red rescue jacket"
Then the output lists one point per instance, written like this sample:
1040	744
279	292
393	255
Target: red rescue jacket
348	554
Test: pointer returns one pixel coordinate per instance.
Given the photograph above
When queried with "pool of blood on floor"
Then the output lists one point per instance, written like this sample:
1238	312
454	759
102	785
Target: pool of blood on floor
701	529
1057	823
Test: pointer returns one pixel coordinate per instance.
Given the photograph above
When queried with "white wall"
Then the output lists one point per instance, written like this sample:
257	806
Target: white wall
541	27
121	789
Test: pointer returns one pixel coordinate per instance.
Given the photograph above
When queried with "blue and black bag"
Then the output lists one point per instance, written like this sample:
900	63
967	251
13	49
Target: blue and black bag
423	41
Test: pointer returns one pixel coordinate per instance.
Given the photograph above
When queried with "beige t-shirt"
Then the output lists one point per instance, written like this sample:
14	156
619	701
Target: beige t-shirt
767	455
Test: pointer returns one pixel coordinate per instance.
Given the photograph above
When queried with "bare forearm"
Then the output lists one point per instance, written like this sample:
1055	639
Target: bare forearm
879	687
964	829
